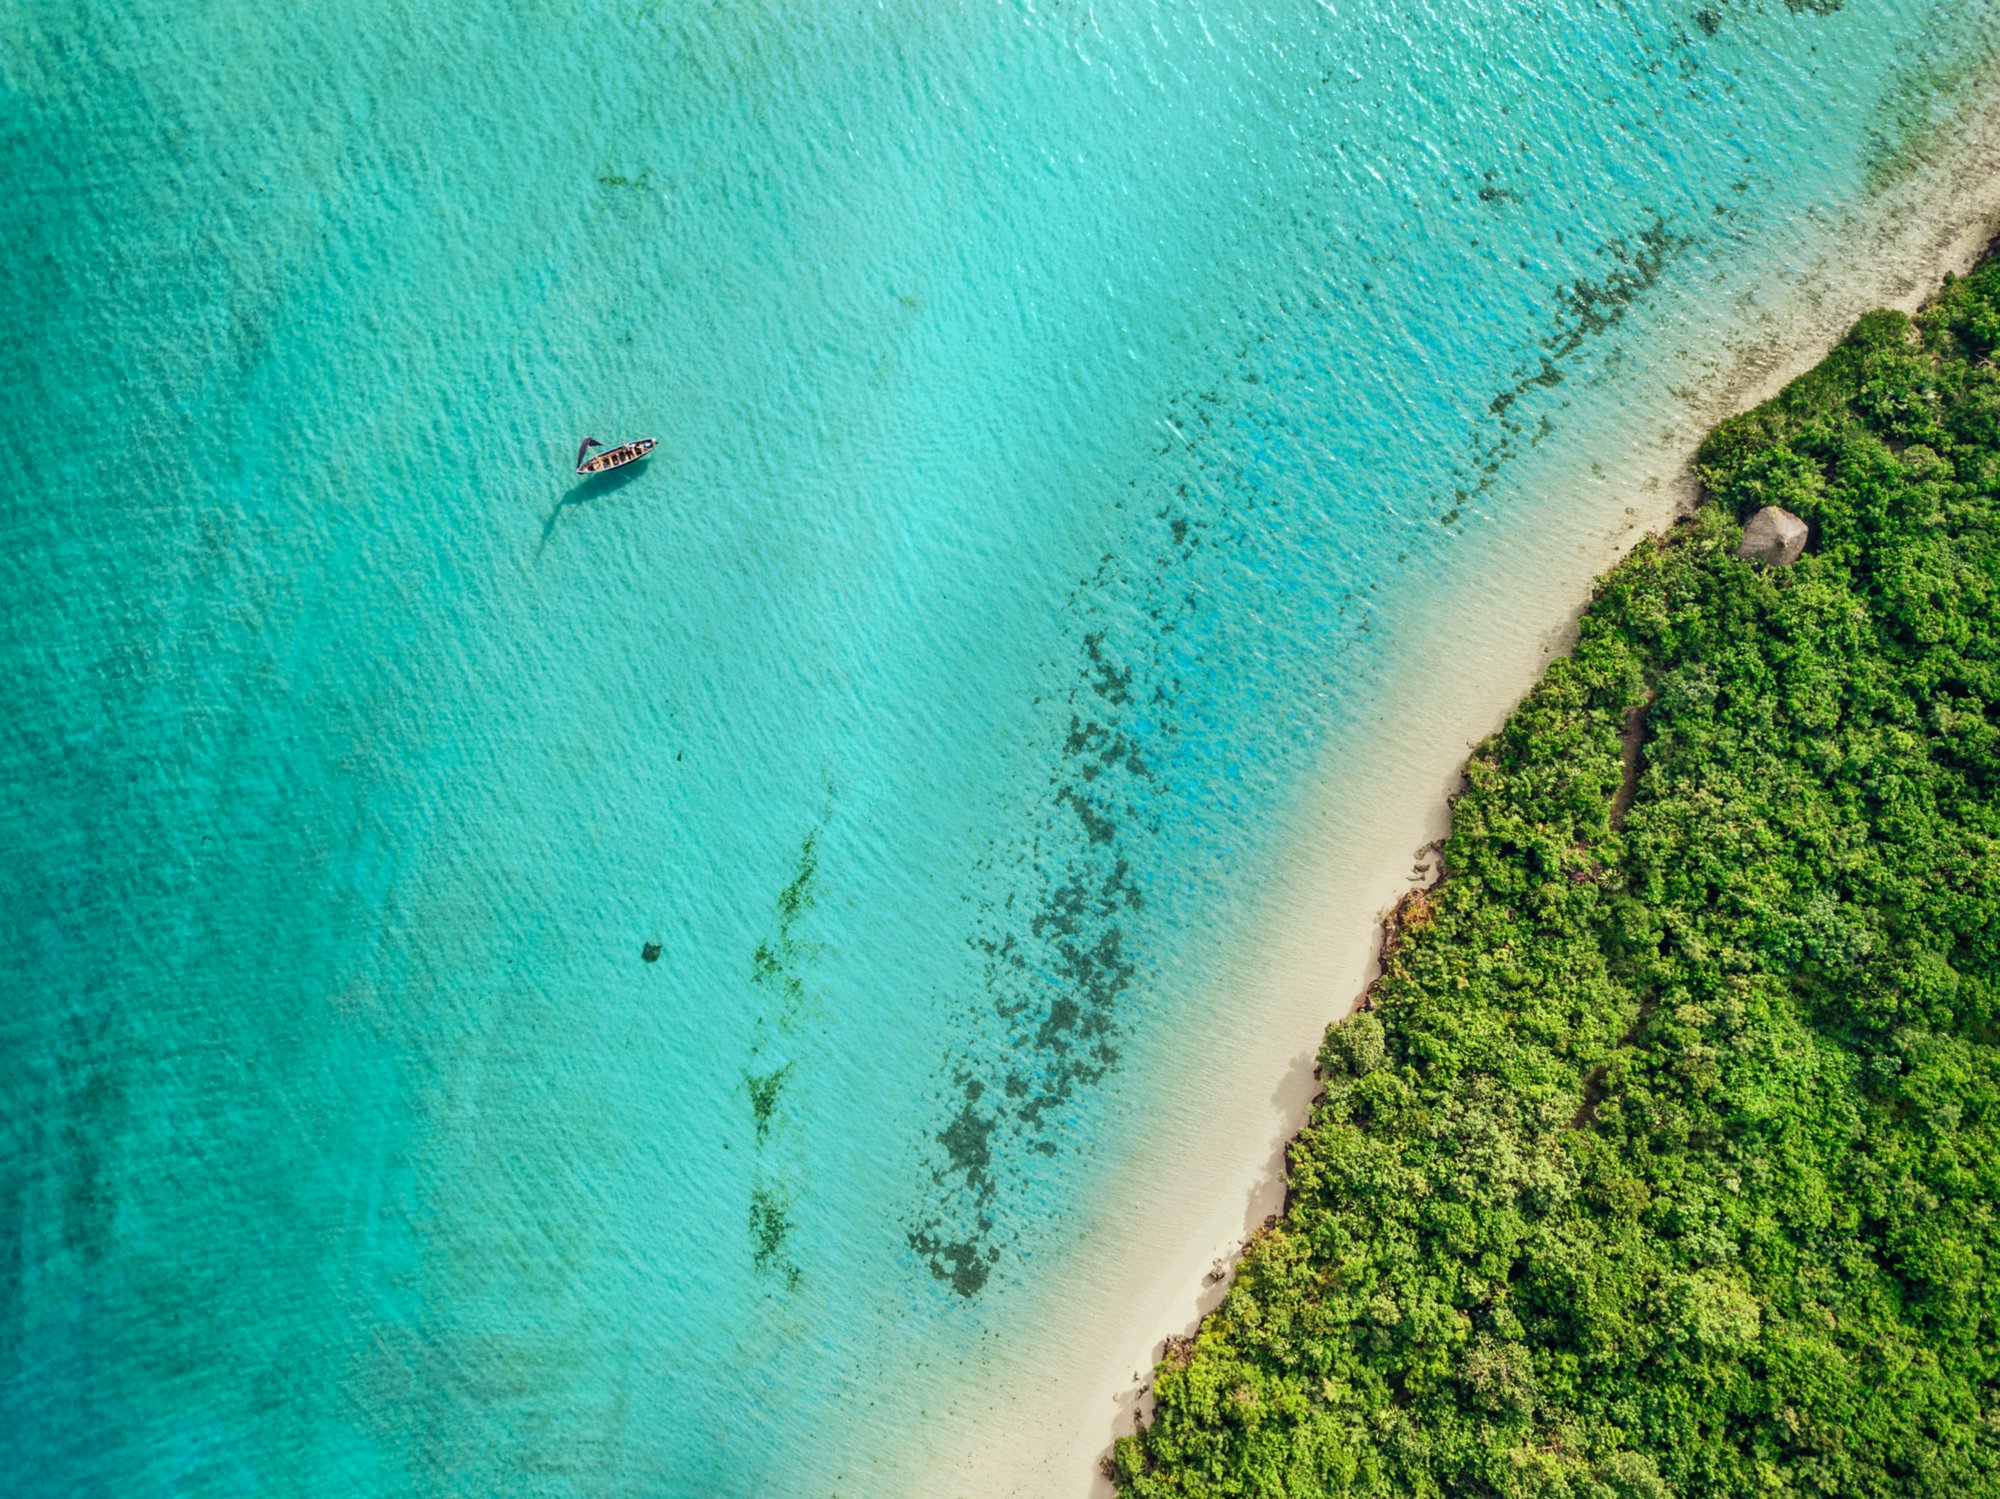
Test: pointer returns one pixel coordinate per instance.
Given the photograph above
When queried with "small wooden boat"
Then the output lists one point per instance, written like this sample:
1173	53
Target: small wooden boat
610	458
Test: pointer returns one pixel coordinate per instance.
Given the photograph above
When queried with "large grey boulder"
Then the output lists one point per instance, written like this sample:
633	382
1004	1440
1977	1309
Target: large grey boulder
1774	536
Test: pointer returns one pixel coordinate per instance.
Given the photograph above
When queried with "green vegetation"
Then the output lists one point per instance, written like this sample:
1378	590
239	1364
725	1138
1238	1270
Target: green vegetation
1666	1158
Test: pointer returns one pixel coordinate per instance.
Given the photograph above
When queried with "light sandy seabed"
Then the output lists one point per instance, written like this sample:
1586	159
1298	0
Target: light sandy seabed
1213	1167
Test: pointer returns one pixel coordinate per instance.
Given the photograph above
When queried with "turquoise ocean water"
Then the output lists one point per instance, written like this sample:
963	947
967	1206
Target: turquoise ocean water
1063	410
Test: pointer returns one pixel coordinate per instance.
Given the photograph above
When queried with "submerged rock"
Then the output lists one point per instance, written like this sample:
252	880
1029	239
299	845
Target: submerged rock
1774	536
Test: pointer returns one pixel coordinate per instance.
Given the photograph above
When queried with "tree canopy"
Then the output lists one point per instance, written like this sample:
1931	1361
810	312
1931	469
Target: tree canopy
1664	1159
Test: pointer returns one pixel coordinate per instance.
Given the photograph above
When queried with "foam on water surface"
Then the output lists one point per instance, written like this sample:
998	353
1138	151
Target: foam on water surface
1066	416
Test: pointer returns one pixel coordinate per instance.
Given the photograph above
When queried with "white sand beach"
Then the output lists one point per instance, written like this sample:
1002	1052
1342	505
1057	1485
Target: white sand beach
1212	1168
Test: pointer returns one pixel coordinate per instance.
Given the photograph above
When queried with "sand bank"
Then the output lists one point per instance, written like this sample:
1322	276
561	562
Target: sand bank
1212	1170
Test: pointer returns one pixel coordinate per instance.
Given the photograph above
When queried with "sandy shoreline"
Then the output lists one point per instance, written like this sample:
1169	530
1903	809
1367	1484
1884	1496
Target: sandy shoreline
1359	845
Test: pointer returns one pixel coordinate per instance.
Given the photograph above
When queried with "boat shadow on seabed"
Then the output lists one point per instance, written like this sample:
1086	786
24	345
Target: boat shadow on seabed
596	487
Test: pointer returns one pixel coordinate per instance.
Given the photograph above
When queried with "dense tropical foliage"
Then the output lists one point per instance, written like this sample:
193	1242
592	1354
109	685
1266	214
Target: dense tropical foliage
1665	1159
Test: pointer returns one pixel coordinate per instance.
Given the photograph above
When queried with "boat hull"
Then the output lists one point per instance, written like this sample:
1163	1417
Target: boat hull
618	457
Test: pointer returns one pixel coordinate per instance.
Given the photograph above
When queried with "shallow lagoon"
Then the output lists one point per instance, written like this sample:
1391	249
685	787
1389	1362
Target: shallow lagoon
1067	417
